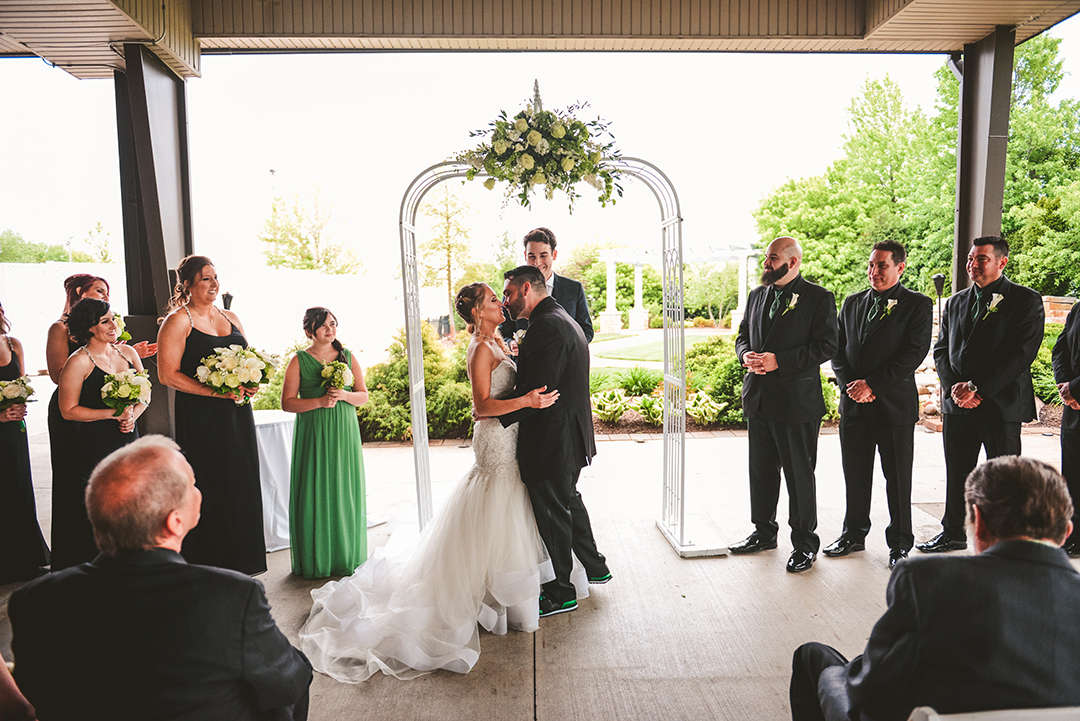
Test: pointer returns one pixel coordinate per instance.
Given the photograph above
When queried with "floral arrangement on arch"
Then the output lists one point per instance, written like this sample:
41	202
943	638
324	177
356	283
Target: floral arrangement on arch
544	151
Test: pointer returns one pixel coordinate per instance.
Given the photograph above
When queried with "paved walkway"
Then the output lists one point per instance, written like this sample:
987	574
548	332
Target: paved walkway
670	638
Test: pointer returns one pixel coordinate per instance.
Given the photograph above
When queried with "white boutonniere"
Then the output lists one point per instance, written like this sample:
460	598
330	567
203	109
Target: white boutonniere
889	307
997	298
791	303
519	337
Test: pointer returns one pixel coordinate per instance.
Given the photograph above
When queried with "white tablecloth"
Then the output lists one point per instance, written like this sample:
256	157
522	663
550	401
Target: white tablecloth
274	431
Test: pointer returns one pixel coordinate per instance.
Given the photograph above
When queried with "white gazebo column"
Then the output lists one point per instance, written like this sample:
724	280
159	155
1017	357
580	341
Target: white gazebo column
610	319
744	282
639	316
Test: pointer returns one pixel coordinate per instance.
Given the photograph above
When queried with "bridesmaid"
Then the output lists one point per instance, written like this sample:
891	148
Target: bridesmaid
216	434
327	519
25	550
99	433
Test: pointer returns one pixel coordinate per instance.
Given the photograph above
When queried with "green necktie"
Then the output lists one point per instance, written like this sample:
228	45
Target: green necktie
977	305
775	304
874	308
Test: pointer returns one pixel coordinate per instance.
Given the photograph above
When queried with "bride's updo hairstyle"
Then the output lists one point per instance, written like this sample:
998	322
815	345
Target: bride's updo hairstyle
314	319
468	300
87	313
185	277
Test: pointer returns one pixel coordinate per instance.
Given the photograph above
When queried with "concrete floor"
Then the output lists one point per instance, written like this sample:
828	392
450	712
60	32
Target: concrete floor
668	638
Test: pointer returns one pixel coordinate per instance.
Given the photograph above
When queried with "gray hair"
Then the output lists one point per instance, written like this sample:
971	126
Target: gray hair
131	494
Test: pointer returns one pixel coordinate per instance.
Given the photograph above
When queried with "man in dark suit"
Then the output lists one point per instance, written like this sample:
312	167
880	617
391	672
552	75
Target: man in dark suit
138	633
993	631
1066	360
556	442
540	253
788	331
988	337
884	336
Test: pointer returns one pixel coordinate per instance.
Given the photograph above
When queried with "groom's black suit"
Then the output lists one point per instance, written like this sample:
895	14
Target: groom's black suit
556	442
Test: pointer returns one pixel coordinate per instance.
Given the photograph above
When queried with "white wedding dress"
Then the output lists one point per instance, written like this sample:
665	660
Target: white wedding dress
479	561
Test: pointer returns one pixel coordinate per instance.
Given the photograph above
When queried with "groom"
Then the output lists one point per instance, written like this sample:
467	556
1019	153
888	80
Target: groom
554	443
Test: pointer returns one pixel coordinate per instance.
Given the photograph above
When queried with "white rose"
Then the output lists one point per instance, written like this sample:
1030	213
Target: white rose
521	125
567	164
124	391
11	391
232	381
500	146
228	363
539	178
349	377
256	375
217	379
558	131
534	137
202	373
527	161
243	375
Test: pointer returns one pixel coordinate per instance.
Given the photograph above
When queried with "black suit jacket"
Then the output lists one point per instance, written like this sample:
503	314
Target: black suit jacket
568	293
554	353
996	355
802	337
148	636
1066	359
886	357
972	633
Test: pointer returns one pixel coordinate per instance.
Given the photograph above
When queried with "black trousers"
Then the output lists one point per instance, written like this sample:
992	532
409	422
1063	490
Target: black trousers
1070	468
964	435
809	661
792	447
859	437
563	522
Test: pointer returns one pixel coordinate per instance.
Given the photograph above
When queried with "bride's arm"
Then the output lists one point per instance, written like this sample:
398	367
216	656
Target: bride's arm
481	361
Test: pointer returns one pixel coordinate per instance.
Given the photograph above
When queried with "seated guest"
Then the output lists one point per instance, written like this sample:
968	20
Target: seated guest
138	633
996	630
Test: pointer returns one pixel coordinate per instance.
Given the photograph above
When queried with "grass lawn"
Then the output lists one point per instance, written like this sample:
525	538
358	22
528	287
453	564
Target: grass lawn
601	337
648	352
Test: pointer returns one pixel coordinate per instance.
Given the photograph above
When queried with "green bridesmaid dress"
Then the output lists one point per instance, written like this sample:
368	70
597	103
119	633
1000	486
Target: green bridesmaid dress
327	518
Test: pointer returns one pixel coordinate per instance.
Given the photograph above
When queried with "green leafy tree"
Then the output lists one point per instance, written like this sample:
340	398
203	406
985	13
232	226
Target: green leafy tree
445	254
295	236
14	249
97	239
707	286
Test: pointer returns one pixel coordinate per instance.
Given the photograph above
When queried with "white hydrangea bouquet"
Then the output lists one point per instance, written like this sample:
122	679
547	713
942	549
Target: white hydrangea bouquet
337	374
236	367
15	392
125	389
121	326
545	151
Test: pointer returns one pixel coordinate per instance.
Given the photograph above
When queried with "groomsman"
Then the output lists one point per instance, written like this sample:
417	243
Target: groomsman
540	253
1066	358
788	331
884	336
988	337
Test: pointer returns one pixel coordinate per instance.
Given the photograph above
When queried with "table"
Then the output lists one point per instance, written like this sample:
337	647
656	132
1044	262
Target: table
274	433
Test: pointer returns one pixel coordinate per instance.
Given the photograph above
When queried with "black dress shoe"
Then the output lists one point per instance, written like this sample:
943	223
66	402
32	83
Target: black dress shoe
800	561
843	546
942	543
895	555
752	544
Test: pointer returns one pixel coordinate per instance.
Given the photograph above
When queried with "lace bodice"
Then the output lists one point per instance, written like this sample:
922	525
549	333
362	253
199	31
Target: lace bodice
494	445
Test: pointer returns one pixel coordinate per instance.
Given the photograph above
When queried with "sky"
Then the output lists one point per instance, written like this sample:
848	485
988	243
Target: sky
725	128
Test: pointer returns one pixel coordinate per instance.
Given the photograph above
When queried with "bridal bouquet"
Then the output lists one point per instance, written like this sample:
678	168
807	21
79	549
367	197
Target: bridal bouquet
543	150
122	327
125	389
235	367
337	374
15	392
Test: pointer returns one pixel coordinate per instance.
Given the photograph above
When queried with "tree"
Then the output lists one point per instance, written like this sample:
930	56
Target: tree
447	251
490	271
707	285
296	237
98	240
13	249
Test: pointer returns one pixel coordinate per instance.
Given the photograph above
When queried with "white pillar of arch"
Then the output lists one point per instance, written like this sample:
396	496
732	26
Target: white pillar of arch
639	316
611	318
744	282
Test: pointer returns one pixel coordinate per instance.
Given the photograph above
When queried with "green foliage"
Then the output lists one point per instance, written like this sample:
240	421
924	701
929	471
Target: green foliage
651	409
392	376
449	411
443	255
269	396
13	249
610	405
1042	371
712	367
638	381
708	286
831	393
296	237
383	420
702	408
598	381
595	281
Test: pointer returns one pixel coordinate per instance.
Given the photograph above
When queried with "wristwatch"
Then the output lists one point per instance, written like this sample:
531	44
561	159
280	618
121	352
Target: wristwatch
972	387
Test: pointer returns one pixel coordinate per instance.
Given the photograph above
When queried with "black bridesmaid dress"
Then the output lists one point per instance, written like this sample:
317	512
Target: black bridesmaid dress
218	438
73	537
25	550
63	434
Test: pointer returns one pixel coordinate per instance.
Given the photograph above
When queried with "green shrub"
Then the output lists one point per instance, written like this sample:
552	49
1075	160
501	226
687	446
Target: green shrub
639	381
1042	371
269	396
392	376
703	409
382	420
651	410
831	393
449	411
611	405
598	381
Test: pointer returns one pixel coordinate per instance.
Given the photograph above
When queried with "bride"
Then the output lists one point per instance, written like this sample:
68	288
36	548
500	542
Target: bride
480	560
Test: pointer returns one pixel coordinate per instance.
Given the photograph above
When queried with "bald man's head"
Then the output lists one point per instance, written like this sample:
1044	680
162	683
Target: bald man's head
783	259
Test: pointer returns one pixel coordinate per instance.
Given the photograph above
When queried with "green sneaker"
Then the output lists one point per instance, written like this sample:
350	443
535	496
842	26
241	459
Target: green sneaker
599	580
553	608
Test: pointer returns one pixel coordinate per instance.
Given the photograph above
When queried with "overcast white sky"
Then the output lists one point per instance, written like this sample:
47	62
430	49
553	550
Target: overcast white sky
726	128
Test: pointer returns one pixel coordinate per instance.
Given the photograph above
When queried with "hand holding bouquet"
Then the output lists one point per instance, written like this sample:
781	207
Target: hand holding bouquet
15	393
125	389
337	374
230	369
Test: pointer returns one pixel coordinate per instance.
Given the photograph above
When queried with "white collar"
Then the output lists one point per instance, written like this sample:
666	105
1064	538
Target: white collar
550	283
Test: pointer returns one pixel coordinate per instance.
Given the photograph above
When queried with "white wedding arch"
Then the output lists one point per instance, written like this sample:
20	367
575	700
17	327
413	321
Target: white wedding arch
672	520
